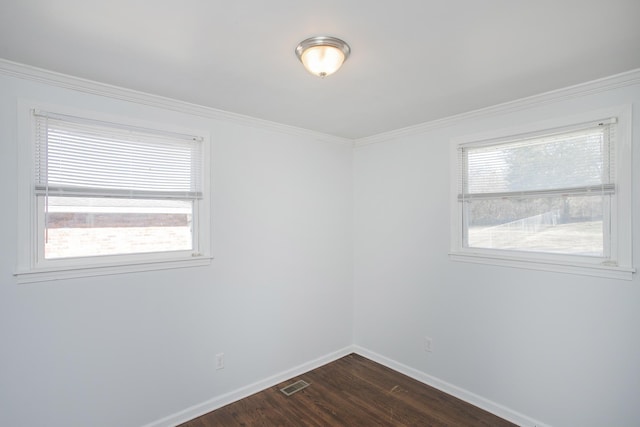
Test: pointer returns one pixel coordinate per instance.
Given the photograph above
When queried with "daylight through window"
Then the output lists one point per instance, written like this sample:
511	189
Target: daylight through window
105	189
549	196
544	194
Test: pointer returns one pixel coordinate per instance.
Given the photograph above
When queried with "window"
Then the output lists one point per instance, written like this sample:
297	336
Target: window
554	198
106	194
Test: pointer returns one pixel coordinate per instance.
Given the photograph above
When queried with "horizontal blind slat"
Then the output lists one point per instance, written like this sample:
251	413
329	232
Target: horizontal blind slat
575	191
93	123
572	162
113	192
82	156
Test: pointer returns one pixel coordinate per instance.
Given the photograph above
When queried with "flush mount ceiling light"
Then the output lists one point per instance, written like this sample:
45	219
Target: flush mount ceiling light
322	56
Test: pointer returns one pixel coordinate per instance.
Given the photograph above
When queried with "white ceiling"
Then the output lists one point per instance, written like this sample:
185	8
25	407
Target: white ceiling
412	61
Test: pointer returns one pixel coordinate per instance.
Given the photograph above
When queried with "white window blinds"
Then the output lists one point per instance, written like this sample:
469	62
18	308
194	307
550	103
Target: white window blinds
82	157
571	162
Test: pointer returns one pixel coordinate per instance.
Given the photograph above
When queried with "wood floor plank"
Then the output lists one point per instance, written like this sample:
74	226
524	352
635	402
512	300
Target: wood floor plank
352	391
450	410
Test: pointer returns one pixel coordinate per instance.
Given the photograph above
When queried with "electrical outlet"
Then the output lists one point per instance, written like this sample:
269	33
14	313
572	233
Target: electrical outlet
428	345
219	361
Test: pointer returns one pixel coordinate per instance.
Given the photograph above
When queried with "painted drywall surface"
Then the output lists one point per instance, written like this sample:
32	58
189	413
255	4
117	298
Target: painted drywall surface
130	349
559	348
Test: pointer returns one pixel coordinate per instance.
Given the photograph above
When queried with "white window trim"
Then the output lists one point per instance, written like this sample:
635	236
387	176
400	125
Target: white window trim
27	270
621	209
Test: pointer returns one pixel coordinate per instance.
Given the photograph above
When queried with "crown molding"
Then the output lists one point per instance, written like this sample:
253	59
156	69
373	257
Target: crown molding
627	78
27	72
65	81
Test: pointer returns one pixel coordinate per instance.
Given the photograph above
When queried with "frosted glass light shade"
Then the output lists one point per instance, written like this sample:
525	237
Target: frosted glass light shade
322	60
323	56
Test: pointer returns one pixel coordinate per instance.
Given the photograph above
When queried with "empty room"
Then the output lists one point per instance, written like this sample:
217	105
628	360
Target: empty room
289	213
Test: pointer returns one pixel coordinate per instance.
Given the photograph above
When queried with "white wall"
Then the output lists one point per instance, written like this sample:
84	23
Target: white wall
561	349
130	349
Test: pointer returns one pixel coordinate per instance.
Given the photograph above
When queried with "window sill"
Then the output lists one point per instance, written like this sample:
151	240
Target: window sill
596	270
61	273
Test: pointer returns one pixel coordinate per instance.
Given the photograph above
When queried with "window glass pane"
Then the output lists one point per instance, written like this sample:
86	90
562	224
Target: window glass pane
564	225
79	226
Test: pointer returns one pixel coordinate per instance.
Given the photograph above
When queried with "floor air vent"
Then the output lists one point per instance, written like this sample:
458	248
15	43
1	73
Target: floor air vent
295	387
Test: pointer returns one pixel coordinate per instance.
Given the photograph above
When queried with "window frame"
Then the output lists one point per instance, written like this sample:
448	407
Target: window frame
618	266
33	268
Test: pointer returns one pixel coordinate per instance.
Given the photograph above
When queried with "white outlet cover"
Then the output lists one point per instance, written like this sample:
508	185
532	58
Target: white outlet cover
220	361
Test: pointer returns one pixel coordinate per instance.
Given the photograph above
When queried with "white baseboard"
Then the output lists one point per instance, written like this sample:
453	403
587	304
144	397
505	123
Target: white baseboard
233	396
462	394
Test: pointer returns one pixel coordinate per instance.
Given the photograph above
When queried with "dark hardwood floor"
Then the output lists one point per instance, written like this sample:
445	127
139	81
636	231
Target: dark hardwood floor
352	391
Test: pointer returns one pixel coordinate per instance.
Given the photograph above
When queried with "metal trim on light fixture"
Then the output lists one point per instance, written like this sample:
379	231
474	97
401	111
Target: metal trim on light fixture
322	41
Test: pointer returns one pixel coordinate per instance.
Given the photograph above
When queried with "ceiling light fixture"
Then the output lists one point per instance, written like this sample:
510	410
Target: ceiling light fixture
322	56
